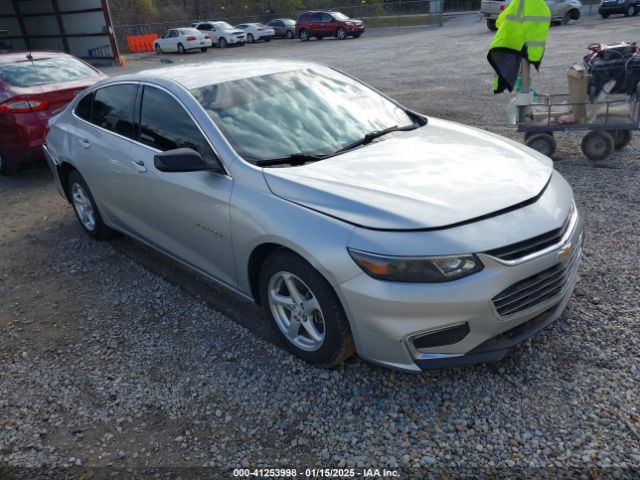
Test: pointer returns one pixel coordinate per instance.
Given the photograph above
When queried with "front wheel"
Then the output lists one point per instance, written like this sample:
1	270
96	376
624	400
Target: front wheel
541	142
597	145
304	310
491	25
250	38
222	43
304	36
631	11
86	210
566	18
341	34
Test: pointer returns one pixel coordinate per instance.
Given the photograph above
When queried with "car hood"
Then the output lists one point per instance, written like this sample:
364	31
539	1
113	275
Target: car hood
435	176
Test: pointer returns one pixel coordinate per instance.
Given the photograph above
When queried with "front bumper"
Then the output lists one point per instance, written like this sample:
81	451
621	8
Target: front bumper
388	317
612	9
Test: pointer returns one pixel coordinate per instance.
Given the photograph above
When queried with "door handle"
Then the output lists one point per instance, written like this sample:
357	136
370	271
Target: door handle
85	143
138	166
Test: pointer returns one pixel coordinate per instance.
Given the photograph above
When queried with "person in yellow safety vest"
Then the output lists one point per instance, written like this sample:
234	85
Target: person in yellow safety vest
522	33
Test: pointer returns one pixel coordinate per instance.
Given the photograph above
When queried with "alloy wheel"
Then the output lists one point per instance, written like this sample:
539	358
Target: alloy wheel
341	34
83	207
296	311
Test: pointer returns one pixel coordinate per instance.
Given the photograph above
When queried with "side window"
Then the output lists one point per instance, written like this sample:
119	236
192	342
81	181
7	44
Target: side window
326	18
83	108
113	108
165	125
316	17
166	34
174	33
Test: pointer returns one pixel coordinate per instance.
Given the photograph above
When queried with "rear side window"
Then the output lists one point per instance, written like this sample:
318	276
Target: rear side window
326	18
165	125
113	108
304	17
83	109
45	72
316	17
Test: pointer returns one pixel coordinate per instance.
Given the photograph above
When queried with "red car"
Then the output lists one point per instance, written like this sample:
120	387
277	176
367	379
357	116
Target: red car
320	24
33	86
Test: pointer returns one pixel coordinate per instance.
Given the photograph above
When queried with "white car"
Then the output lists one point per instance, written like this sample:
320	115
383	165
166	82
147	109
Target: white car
222	34
562	11
256	31
182	40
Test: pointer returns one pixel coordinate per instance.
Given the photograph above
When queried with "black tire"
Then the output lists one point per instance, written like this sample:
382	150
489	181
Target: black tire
250	38
100	231
289	35
181	49
566	18
597	145
267	39
630	11
204	49
541	142
7	167
319	37
341	34
621	138
158	49
337	345
575	14
222	43
491	25
604	15
356	35
304	36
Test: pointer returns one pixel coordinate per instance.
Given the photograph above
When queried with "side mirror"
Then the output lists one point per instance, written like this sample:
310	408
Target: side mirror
181	160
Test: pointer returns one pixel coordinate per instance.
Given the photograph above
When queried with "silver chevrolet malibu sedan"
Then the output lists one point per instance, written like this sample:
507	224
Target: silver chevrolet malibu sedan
357	224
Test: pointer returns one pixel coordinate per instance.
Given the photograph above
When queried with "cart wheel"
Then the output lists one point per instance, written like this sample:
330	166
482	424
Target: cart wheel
598	145
542	142
621	138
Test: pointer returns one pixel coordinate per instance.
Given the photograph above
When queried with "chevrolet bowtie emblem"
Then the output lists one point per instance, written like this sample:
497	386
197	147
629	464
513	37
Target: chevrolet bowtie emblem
565	252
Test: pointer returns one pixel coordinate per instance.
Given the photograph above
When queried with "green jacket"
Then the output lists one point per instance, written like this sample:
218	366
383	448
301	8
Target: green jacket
522	33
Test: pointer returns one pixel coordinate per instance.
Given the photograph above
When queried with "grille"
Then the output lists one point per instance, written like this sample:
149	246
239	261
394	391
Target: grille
532	245
536	289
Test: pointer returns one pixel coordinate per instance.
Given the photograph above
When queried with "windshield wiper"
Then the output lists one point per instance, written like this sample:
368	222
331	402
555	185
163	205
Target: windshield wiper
295	159
371	136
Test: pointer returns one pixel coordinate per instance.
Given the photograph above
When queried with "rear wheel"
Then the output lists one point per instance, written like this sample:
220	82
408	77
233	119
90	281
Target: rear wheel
341	34
7	167
621	138
304	310
222	43
158	49
289	34
181	49
597	145
204	49
304	36
85	208
566	18
541	142
491	25
604	15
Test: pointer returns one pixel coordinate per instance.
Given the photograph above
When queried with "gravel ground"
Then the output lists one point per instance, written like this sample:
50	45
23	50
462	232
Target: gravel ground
113	357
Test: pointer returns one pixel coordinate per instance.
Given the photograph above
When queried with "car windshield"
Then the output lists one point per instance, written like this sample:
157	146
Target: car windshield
223	26
45	71
314	111
340	16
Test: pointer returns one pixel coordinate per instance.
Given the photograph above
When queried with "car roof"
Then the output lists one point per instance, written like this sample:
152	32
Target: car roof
196	75
20	56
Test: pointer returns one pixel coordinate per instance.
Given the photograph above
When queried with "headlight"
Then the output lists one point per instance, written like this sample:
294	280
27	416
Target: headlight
416	269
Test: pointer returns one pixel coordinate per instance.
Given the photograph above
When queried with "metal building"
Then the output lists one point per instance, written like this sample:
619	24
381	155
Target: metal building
80	27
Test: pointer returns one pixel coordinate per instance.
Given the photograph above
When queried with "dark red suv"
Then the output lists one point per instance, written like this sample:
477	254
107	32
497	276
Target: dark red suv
320	24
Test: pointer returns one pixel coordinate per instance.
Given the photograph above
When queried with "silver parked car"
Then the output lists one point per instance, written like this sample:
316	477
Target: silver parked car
358	224
562	11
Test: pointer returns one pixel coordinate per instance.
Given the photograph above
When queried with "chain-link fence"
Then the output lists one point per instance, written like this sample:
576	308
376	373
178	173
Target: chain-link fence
387	14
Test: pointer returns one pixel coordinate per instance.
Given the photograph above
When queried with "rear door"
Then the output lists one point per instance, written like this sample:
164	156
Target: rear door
101	145
315	24
185	214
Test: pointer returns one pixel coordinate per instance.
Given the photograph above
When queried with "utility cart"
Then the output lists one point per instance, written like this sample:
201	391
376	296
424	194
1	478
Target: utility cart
609	123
